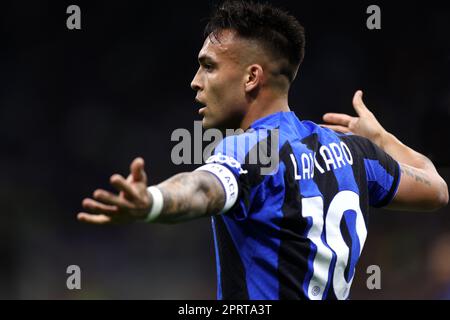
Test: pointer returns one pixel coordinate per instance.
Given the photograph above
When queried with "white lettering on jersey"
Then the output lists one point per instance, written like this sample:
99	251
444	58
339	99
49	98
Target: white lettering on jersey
334	156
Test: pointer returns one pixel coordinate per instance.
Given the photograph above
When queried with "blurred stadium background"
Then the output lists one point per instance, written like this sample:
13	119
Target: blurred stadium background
77	106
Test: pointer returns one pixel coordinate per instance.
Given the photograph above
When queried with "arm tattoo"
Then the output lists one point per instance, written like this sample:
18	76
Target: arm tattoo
413	173
190	195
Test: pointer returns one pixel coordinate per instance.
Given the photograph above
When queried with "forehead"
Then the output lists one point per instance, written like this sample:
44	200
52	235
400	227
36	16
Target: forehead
226	46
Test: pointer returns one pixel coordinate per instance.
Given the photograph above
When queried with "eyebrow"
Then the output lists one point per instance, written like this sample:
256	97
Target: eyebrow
205	58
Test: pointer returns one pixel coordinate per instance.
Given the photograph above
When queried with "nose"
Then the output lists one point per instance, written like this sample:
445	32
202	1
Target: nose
195	83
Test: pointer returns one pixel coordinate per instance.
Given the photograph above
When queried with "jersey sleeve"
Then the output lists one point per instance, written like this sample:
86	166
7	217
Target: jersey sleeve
382	172
241	178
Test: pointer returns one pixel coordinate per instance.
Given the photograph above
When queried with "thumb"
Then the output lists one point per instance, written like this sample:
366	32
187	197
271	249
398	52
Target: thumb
137	170
358	103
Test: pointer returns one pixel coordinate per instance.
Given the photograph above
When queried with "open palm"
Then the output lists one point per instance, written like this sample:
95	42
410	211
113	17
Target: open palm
365	124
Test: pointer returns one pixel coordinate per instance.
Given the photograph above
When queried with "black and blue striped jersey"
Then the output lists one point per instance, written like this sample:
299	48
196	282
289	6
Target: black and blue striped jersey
296	229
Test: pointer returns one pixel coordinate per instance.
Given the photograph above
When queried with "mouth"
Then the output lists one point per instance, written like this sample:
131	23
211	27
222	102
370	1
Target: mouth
203	107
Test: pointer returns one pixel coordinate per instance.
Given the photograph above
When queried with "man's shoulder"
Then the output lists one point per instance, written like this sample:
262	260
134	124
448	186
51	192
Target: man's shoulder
240	145
360	145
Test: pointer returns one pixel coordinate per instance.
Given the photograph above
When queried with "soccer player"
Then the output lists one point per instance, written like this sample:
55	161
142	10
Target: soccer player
297	231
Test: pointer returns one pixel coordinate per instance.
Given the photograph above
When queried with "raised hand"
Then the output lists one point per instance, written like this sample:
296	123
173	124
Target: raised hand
131	204
365	124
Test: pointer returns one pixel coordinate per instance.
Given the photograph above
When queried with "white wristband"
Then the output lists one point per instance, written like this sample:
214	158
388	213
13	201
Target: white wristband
157	204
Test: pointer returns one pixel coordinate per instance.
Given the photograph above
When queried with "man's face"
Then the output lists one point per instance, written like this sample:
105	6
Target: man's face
220	81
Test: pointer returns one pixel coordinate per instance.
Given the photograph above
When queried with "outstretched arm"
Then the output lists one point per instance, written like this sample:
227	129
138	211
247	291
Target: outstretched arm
186	196
421	187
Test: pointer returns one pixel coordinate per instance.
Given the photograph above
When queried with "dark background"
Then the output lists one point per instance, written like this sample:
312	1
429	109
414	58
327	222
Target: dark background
78	105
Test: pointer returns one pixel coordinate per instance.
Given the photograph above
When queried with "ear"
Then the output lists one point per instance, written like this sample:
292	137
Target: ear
254	77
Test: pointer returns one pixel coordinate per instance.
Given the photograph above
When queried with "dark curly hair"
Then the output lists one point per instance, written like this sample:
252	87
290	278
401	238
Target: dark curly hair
279	33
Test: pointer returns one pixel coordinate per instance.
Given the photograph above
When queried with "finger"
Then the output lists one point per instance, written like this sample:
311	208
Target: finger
137	170
119	182
111	199
130	178
337	118
93	218
99	208
336	128
358	103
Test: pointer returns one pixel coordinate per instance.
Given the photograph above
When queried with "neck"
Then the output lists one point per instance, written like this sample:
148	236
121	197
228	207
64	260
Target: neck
263	106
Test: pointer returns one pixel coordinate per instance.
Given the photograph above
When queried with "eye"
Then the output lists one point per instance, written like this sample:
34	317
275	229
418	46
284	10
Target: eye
208	67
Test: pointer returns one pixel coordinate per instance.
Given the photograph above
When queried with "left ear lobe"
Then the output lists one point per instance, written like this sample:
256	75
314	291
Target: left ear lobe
254	77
